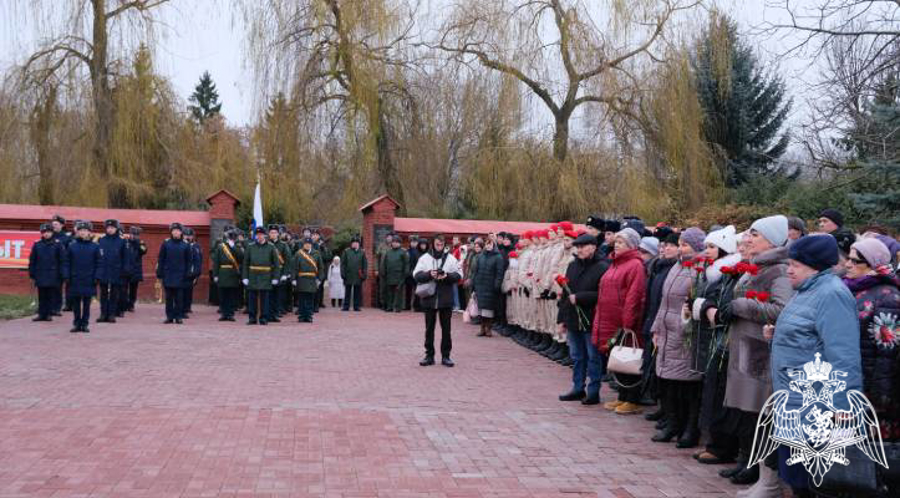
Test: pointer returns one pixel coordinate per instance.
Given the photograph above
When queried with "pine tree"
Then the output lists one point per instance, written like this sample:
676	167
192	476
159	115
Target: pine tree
205	98
744	107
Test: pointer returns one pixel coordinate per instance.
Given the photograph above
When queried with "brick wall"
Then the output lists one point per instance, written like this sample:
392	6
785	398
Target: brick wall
380	212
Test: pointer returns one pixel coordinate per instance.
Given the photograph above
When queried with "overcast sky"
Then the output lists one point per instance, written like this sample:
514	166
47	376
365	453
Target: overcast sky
207	35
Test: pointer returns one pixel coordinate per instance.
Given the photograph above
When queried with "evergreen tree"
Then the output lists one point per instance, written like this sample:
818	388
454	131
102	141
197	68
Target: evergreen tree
744	107
205	99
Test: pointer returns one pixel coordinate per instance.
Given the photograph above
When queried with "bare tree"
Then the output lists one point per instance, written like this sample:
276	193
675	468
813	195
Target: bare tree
511	37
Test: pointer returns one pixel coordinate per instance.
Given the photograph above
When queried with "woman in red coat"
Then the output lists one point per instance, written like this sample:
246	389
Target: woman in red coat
621	306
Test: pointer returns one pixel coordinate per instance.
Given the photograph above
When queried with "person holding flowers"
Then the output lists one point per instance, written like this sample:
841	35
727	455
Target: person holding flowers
679	384
749	382
576	314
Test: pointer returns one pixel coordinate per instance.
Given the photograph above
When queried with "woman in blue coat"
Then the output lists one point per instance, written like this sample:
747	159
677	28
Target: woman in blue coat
45	267
81	269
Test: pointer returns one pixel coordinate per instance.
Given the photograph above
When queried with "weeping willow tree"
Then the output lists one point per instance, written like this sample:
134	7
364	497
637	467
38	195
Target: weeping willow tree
339	58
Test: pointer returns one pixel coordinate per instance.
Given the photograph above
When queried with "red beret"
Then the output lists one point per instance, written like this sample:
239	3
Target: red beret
513	254
566	225
571	234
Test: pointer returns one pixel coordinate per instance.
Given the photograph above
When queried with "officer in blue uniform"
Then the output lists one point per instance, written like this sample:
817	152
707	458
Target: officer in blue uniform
58	224
196	265
173	267
81	270
45	267
112	260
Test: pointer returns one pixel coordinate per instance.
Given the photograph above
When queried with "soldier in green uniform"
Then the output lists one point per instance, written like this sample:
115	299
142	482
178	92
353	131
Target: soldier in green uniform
321	248
394	265
261	271
306	268
227	259
354	267
287	295
380	251
276	298
242	289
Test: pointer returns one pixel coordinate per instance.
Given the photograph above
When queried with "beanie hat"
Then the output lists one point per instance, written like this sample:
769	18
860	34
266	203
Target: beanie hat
694	237
662	233
797	224
636	224
725	239
773	228
873	251
891	243
671	238
833	215
816	251
631	238
596	222
650	245
613	226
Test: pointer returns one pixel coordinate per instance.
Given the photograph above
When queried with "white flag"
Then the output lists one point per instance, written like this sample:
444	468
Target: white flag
257	208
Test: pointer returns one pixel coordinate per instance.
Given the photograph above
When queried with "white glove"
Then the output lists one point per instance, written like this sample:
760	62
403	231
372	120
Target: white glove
318	283
295	283
283	278
246	282
274	281
216	279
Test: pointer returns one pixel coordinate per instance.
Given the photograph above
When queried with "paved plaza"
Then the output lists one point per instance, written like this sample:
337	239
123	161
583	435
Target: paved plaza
338	408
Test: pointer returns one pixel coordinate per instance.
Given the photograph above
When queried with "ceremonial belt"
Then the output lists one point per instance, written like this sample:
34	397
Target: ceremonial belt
226	267
309	260
306	274
260	268
229	255
280	257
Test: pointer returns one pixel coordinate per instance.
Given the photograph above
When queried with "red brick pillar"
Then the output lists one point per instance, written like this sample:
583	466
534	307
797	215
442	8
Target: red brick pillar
378	220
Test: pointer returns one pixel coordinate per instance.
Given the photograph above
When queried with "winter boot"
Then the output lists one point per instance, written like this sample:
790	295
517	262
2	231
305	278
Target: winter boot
768	485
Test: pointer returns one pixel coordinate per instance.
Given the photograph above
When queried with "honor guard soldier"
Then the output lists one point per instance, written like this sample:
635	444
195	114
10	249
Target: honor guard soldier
261	272
276	297
45	268
174	269
113	257
58	225
196	266
287	296
306	267
320	246
81	272
138	249
226	261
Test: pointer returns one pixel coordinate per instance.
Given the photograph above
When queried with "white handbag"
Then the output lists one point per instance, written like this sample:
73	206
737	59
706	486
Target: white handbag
626	359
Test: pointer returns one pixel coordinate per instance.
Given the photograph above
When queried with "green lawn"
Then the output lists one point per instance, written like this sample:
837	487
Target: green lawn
15	306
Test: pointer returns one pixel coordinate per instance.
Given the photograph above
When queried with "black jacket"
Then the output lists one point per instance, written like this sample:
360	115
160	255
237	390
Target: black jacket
656	276
488	278
584	281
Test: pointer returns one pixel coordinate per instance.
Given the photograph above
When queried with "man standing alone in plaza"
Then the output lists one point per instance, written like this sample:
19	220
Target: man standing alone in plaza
354	266
439	270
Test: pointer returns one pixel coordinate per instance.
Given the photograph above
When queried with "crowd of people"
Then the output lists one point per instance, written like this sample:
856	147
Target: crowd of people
720	317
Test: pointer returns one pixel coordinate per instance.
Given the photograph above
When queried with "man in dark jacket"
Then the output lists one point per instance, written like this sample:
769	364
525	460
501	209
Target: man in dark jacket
577	303
138	249
440	267
410	284
113	258
58	224
45	267
81	271
173	267
194	275
394	267
354	266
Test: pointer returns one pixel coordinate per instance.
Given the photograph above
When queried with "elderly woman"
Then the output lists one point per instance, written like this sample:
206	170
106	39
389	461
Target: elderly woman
657	271
620	307
749	383
679	383
486	281
816	320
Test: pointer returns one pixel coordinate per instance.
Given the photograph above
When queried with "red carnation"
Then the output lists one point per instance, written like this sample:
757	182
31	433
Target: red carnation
727	270
513	255
752	269
687	264
699	269
751	294
710	261
762	296
562	280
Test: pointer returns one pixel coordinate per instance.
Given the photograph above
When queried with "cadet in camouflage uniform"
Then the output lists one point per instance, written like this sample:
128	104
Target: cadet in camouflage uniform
261	271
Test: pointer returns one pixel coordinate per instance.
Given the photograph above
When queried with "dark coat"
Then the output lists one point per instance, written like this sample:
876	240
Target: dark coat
196	261
584	278
113	259
305	269
443	296
261	265
414	256
82	267
138	249
394	266
174	264
656	276
878	305
63	237
227	269
45	265
488	278
354	266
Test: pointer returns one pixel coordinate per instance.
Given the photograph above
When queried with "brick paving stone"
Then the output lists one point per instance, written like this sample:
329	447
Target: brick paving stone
339	408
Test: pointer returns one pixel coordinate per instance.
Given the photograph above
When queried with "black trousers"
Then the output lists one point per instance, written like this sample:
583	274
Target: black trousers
320	297
123	302
56	299
307	305
258	304
109	299
188	298
81	309
431	316
175	303
46	301
132	293
275	301
228	301
354	293
630	394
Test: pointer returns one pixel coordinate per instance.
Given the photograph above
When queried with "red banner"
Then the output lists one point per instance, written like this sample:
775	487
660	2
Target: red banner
15	248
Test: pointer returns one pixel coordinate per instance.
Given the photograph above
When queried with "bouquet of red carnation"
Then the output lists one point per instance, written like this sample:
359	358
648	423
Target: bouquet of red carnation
760	296
563	283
